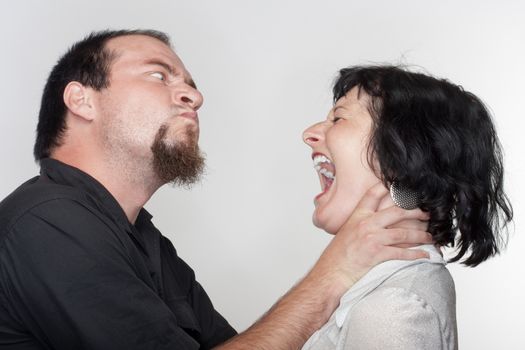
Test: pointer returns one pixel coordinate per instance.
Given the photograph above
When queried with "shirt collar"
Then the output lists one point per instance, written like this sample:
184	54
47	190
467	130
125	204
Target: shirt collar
65	174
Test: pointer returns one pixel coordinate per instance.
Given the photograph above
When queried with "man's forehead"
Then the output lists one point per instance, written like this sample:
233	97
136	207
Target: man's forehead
140	48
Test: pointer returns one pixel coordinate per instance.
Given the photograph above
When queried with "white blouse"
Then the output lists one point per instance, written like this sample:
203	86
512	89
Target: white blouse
396	305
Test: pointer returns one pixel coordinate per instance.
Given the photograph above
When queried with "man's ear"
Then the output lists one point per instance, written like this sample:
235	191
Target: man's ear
79	100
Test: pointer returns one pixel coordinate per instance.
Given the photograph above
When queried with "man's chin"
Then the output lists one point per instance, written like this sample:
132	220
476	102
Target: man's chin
181	163
185	141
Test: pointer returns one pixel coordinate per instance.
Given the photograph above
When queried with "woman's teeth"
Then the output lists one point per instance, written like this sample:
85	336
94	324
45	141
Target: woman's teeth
326	173
324	166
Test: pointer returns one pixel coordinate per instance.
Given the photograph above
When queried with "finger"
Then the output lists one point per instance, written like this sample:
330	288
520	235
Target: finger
393	253
386	202
372	197
413	224
367	205
395	236
394	214
403	245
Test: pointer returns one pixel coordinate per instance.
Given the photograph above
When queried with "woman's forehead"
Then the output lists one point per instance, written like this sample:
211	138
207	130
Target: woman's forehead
355	98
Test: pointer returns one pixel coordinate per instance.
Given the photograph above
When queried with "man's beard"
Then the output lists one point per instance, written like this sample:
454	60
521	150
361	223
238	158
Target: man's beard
181	164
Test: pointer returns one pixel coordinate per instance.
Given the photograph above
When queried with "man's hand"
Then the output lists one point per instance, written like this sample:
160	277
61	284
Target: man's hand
369	237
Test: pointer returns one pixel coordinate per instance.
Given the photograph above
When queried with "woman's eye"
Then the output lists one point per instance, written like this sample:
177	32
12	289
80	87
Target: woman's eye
158	75
336	119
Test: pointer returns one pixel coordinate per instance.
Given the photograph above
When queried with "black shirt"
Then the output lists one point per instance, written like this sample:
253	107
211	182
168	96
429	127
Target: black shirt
75	274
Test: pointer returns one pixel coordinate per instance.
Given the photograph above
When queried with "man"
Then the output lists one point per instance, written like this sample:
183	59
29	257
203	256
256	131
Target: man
81	264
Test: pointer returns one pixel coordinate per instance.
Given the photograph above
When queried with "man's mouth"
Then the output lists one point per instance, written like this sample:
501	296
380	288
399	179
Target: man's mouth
192	115
326	170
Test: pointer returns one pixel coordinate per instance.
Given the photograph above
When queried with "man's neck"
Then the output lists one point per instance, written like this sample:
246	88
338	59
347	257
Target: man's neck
129	187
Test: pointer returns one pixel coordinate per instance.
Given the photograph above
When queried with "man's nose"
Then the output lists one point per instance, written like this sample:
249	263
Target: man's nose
189	96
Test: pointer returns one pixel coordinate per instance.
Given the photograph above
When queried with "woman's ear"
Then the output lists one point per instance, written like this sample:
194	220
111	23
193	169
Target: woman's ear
78	99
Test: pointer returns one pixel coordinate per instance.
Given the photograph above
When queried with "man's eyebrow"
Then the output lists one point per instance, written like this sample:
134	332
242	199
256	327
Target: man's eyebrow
191	83
163	64
170	70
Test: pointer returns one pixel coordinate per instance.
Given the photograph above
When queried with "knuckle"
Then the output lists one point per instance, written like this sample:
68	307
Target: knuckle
369	238
398	235
374	250
363	225
387	255
402	254
375	192
397	212
393	255
405	253
403	213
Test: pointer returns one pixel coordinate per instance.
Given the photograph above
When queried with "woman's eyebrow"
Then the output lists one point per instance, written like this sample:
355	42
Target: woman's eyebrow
339	107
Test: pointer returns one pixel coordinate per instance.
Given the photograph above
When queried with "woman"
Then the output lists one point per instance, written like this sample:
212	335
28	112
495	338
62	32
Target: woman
430	141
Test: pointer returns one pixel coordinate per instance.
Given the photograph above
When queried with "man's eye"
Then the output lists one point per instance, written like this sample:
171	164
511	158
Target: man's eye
158	75
336	119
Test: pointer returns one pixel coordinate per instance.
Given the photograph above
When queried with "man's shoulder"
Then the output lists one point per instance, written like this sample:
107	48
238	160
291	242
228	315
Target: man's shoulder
31	194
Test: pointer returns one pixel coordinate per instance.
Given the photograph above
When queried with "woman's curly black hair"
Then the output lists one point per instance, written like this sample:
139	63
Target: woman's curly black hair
435	138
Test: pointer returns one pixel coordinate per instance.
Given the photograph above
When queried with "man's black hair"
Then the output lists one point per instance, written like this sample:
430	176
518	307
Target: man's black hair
87	62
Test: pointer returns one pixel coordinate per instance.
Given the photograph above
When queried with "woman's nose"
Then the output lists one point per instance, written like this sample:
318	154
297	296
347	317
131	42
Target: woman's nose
313	134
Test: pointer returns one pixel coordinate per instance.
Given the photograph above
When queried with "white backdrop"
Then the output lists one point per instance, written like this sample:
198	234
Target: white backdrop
265	69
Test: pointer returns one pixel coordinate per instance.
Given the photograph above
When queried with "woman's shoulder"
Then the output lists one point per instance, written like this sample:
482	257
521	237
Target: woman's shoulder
431	282
422	287
413	309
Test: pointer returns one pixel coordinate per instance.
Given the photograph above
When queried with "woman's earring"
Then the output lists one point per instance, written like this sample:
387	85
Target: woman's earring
404	197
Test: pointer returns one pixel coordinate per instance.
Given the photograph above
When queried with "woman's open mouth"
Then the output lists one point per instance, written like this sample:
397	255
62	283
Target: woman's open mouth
326	170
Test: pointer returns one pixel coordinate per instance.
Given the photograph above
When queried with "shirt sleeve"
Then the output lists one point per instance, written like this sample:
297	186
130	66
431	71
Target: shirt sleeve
72	285
393	318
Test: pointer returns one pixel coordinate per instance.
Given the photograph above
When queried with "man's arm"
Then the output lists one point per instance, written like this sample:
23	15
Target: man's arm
364	241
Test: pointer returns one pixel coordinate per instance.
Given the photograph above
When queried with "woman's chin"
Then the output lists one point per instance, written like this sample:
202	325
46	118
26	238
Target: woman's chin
324	224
